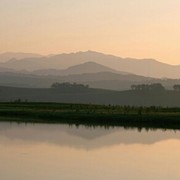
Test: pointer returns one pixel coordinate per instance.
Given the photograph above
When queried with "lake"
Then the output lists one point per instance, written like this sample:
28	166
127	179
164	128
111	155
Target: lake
54	152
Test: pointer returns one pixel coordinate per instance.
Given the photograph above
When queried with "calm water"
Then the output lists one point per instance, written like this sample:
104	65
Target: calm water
54	152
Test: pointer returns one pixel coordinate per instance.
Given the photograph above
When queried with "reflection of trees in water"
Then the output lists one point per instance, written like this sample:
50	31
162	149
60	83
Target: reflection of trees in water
137	127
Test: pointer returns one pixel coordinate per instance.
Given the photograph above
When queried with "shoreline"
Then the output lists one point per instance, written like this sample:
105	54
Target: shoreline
91	115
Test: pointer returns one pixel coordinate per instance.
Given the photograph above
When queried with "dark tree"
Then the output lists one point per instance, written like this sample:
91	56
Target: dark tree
176	87
148	87
67	85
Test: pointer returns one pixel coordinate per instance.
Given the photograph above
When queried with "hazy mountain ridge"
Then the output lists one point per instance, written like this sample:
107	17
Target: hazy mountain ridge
107	80
144	67
8	56
88	67
92	73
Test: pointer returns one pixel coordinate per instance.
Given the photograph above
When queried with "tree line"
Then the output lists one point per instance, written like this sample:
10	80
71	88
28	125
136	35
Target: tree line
152	87
134	87
67	85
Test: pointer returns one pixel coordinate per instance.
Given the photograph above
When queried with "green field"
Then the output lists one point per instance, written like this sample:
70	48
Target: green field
91	115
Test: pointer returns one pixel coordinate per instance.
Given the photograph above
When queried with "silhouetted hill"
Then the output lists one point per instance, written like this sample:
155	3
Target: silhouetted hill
102	80
88	67
144	67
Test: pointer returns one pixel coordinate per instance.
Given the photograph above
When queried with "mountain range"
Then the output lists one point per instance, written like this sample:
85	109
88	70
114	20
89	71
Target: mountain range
31	78
36	71
54	63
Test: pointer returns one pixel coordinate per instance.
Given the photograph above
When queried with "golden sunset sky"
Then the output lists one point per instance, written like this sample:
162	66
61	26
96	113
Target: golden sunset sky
126	28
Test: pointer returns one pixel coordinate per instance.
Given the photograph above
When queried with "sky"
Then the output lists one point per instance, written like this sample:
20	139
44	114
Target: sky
126	28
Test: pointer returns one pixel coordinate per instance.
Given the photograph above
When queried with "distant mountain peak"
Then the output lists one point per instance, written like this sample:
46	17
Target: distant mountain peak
89	52
91	66
87	67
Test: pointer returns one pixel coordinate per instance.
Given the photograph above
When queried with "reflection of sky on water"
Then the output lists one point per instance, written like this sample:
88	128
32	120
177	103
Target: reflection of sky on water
81	137
61	152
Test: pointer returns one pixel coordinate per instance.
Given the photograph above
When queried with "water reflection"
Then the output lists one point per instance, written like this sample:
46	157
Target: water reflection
82	136
44	151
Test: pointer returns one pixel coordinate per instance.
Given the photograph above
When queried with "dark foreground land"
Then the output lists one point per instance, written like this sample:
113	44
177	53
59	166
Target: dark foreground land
165	98
91	115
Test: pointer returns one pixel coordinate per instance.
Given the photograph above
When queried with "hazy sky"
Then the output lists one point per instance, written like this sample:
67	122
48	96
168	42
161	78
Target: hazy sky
127	28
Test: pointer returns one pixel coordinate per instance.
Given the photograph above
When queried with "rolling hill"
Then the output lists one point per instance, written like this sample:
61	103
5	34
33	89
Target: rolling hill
88	67
102	80
91	96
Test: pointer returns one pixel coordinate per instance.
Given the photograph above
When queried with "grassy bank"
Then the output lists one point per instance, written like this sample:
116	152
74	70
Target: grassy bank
91	115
